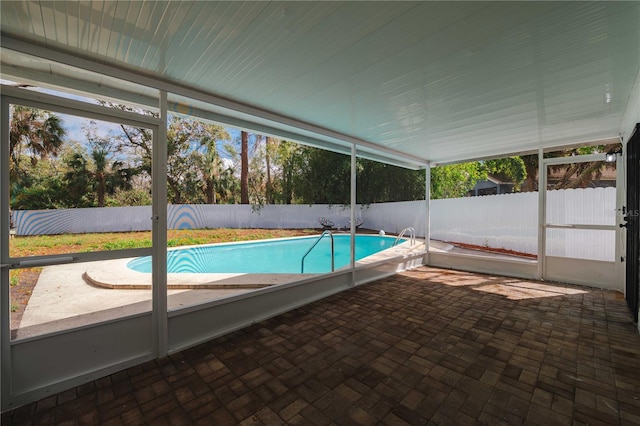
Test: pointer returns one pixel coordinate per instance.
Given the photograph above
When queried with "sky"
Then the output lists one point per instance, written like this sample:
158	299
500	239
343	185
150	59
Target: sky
75	126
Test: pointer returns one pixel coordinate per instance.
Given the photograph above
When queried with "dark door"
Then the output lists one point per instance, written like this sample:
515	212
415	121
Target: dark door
633	222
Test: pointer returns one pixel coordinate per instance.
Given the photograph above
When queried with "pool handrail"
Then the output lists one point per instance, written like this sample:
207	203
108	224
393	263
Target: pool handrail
327	232
412	235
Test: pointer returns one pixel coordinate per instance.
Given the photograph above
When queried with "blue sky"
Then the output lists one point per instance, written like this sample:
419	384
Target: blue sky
75	132
75	126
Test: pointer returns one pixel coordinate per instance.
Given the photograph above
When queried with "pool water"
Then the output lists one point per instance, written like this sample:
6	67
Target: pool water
282	256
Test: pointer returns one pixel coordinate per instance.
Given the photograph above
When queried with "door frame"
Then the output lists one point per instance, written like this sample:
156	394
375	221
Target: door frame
597	273
93	350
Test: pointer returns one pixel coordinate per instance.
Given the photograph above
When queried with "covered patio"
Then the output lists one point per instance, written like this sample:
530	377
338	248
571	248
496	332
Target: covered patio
425	346
417	85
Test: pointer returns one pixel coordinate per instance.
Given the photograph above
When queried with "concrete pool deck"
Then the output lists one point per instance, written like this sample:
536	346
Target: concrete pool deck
62	299
66	296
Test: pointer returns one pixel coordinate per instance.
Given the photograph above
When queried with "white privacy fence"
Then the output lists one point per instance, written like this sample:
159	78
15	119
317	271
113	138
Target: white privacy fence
506	221
392	217
510	221
591	206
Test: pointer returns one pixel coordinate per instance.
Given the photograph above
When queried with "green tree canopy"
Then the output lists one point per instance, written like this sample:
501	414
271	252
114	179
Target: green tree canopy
35	137
577	175
193	164
456	180
115	169
511	169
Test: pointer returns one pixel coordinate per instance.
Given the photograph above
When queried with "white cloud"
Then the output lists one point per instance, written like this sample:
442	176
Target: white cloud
227	162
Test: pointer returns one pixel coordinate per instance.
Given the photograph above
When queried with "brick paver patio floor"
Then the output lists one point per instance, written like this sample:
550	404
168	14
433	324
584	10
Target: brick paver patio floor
429	346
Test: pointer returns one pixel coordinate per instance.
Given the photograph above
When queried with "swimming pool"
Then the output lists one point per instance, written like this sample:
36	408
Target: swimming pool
280	256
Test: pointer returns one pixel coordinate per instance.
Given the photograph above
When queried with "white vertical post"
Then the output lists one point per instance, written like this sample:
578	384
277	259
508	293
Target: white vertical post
5	320
542	212
621	232
159	231
353	213
427	198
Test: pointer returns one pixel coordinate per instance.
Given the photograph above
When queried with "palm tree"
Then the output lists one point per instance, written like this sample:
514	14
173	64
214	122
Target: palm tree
210	172
101	176
77	180
34	132
209	161
227	186
576	175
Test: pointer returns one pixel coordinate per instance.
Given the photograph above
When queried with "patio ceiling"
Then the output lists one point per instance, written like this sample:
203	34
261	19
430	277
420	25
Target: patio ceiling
438	81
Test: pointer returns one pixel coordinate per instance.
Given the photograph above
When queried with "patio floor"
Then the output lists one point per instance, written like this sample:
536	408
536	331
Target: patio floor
429	346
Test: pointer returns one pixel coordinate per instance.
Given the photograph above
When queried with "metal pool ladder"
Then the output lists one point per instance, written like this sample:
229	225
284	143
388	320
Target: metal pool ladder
412	235
315	244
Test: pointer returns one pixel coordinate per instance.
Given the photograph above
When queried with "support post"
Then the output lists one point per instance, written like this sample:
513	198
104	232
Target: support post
5	316
159	232
542	212
427	198
621	202
353	213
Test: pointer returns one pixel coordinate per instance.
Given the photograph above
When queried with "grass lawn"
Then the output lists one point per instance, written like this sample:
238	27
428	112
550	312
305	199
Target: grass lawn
22	281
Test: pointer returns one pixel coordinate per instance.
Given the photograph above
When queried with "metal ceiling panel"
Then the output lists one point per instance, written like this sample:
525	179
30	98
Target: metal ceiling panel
444	81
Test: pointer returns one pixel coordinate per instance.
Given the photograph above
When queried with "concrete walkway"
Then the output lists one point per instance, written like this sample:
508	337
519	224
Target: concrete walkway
62	299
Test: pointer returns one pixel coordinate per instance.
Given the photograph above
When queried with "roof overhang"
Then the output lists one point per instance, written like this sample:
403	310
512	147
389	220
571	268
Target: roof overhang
406	82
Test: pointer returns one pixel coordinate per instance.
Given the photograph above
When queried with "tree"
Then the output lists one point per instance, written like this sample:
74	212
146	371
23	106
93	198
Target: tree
379	182
193	163
204	152
268	153
288	159
210	165
35	136
41	188
97	173
258	173
35	133
77	180
135	196
228	186
244	168
455	180
323	177
108	175
576	175
511	169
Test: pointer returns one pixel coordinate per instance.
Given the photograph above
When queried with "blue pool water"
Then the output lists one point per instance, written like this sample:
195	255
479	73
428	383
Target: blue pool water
269	256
